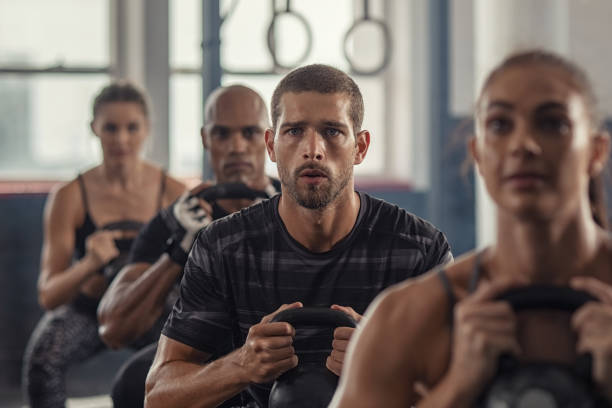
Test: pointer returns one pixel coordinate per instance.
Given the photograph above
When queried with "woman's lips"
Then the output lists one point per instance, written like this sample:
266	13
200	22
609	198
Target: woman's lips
525	180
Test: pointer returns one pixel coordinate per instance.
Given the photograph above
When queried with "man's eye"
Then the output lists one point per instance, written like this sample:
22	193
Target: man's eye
294	131
221	134
110	127
499	125
331	132
133	127
248	133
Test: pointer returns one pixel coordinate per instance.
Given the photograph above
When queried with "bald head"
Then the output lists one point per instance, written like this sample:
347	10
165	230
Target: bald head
236	118
233	97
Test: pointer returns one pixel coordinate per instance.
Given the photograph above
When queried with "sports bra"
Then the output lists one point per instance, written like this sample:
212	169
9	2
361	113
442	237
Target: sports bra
448	288
89	227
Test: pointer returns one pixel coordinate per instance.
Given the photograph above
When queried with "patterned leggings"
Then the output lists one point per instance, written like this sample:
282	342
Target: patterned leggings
64	336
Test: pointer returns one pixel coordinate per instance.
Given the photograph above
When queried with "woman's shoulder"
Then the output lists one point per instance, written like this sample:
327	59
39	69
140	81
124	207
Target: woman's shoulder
66	198
172	187
70	190
427	295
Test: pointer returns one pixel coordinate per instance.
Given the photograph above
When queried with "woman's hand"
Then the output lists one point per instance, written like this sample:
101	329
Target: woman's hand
593	324
483	330
100	247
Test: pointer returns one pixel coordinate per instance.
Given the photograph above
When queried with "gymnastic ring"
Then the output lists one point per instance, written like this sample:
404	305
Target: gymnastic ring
272	47
386	47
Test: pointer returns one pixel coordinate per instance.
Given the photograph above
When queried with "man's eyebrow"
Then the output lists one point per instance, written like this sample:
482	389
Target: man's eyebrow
293	124
216	128
333	123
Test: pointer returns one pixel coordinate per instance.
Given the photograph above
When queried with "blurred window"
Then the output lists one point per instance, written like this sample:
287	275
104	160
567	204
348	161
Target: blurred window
48	78
243	49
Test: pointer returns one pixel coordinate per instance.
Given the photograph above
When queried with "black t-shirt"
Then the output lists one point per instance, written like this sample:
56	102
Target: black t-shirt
244	266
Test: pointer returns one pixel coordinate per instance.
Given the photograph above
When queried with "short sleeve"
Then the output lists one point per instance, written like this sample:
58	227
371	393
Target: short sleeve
200	317
439	252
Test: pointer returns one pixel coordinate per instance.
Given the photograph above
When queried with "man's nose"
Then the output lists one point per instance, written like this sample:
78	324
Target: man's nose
313	145
238	144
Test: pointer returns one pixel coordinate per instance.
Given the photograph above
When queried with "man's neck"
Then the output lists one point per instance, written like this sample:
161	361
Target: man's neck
319	230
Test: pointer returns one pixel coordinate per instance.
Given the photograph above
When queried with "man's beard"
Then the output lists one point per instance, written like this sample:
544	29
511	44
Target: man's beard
315	197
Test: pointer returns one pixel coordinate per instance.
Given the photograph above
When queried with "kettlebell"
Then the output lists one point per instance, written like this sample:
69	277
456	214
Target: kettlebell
230	190
543	384
309	385
112	268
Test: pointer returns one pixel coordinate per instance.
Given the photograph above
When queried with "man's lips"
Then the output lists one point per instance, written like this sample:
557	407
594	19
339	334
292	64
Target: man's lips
120	152
312	173
233	165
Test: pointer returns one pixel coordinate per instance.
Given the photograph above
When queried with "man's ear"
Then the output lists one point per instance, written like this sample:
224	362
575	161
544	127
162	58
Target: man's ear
362	143
600	151
269	137
204	136
91	126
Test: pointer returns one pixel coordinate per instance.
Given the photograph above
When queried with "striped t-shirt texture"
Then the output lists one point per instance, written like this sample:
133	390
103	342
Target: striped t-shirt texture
244	266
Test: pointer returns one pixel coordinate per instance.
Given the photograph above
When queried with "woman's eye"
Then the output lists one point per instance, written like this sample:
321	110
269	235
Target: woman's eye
499	125
133	127
554	124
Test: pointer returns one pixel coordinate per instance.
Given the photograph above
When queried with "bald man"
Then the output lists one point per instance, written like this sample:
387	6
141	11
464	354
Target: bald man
139	299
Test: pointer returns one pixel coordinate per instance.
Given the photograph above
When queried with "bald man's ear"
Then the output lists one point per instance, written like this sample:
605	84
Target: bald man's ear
91	126
204	138
269	137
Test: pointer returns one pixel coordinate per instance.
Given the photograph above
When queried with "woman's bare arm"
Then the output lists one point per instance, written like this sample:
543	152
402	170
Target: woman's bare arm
59	281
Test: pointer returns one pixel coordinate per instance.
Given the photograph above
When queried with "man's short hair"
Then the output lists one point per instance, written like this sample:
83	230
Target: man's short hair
323	79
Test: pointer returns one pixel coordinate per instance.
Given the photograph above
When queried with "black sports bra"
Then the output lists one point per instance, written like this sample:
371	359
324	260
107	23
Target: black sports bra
474	278
89	227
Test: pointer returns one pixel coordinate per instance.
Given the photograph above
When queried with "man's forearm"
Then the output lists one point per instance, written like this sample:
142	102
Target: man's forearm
187	384
136	300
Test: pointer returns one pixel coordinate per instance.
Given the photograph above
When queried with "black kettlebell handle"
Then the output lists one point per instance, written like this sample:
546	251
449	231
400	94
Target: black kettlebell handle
546	297
230	191
315	316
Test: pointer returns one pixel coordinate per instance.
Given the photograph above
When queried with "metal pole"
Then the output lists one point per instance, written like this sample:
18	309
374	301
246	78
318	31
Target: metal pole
211	60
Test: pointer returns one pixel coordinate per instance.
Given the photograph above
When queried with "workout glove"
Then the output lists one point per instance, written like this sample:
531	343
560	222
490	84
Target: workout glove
185	218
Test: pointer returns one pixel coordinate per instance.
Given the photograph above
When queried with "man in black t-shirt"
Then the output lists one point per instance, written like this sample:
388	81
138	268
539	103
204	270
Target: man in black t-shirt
319	243
141	295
